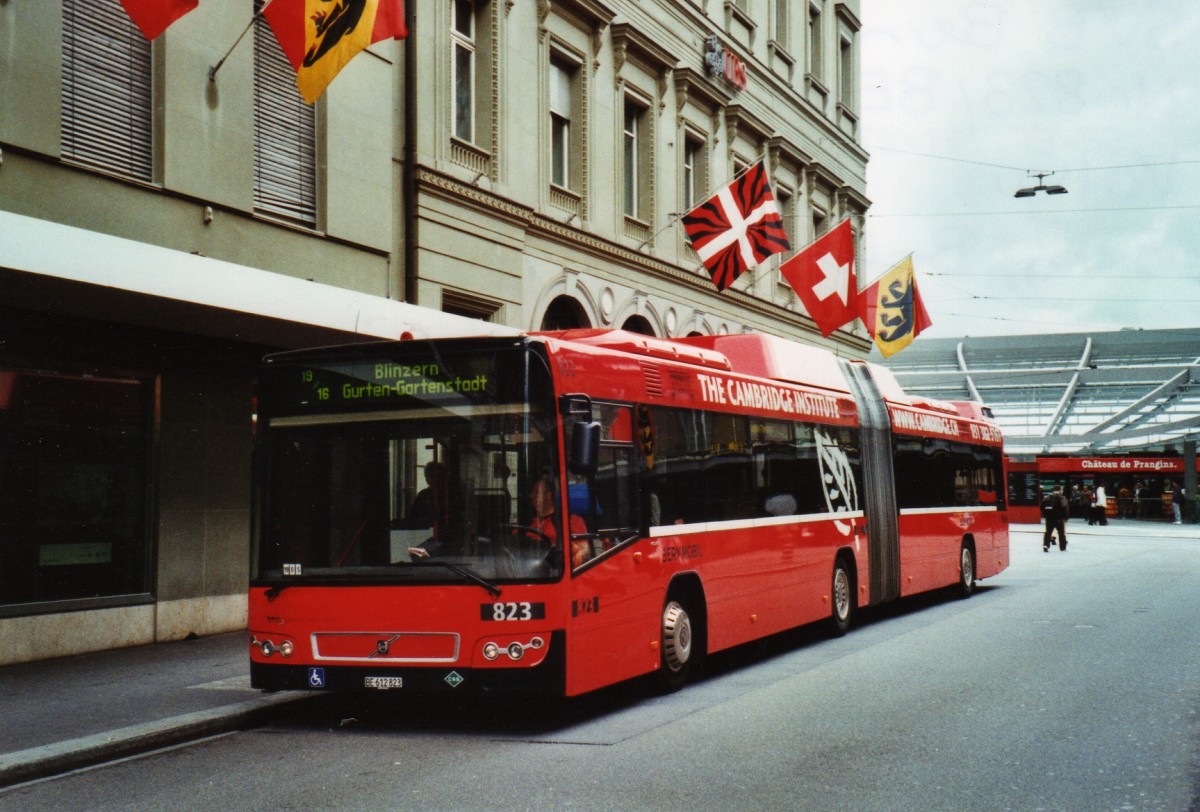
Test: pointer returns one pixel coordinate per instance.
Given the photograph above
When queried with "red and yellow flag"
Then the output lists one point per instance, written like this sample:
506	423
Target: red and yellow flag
153	16
892	310
319	37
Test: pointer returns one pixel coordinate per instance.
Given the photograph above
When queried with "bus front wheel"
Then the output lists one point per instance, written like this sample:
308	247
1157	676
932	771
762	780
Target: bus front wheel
841	598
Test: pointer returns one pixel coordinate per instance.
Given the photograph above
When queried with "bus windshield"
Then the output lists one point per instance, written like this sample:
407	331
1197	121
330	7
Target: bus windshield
408	463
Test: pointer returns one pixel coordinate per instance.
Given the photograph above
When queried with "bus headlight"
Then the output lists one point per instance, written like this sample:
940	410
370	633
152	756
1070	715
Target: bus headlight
268	647
515	650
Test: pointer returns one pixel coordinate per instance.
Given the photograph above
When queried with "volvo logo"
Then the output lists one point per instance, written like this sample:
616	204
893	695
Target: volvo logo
382	647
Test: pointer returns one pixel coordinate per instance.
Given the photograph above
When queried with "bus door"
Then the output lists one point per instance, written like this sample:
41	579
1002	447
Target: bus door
883	528
616	580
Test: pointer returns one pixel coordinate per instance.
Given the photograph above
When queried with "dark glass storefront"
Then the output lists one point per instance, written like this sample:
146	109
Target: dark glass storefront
1135	487
74	490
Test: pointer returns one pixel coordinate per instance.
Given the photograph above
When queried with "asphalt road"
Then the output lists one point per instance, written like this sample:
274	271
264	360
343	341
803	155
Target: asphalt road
1069	682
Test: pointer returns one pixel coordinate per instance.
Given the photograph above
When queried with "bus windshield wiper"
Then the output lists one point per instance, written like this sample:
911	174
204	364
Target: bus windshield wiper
492	589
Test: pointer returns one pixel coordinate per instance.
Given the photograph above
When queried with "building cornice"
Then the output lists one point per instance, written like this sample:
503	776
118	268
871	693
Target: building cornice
630	43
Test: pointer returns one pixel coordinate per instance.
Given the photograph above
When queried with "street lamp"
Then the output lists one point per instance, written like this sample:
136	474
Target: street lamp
1030	191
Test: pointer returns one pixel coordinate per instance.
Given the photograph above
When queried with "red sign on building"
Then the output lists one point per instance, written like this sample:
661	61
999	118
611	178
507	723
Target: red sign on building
724	63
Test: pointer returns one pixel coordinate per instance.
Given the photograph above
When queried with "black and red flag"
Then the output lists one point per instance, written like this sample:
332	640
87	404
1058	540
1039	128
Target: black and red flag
738	227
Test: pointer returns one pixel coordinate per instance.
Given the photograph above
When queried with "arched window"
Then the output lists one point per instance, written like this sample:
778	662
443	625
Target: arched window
638	324
564	313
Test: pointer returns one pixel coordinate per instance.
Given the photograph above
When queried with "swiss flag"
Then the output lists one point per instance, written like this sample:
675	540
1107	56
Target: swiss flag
823	277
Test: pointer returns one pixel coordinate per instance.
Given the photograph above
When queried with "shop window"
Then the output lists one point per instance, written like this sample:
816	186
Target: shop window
74	474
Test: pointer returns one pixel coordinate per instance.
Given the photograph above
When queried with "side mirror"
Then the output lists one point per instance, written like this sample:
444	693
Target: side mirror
585	448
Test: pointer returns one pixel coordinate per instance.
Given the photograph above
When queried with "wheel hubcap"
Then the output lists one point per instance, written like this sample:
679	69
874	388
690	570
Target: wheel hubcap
677	636
841	594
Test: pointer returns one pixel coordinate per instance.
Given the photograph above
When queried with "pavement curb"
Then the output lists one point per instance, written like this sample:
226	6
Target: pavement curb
60	757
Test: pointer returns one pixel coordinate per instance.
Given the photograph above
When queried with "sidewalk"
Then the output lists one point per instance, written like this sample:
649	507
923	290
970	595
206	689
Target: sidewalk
1127	528
67	713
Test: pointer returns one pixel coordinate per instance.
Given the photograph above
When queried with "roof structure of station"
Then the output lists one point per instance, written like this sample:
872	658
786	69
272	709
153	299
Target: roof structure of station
1113	392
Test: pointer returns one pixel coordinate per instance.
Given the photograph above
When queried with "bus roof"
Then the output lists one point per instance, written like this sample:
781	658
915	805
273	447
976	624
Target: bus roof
764	356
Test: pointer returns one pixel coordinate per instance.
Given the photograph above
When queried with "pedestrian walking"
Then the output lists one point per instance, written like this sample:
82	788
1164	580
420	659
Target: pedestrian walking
1055	510
1101	505
1177	497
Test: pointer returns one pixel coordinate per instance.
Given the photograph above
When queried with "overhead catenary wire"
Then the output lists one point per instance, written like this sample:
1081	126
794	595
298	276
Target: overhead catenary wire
1145	165
1138	276
1036	212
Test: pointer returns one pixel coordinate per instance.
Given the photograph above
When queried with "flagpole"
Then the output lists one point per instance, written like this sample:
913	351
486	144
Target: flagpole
212	71
673	218
761	159
879	275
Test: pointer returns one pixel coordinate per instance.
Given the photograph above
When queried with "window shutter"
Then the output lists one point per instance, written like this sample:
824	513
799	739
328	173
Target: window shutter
106	112
285	164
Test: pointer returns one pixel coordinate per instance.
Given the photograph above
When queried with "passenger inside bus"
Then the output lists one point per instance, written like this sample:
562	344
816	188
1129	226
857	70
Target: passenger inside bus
781	504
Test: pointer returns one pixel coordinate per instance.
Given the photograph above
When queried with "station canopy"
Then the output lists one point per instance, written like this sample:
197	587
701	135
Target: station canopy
1090	393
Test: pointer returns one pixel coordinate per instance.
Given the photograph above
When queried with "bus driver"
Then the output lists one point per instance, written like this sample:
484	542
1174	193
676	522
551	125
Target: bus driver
542	497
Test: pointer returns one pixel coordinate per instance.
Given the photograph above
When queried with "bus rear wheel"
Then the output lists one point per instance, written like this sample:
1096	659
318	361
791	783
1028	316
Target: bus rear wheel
677	656
841	598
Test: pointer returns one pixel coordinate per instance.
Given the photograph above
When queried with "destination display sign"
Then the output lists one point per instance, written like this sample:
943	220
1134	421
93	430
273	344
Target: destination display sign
291	387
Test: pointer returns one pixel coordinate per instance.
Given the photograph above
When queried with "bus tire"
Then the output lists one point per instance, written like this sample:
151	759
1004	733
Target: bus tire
966	571
841	598
679	650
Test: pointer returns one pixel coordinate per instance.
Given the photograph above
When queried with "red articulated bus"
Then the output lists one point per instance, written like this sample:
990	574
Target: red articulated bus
558	512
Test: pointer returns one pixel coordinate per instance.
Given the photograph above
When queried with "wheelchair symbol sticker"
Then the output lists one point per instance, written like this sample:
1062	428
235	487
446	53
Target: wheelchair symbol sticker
316	678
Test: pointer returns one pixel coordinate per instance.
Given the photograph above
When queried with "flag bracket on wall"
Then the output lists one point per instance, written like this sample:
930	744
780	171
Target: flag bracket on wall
212	71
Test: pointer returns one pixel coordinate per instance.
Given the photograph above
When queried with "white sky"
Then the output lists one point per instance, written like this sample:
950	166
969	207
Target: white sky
997	88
